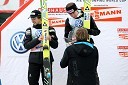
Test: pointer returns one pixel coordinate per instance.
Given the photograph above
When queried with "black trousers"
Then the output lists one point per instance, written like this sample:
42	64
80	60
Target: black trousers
34	71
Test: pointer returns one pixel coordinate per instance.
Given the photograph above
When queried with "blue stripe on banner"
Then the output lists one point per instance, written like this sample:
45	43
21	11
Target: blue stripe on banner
0	82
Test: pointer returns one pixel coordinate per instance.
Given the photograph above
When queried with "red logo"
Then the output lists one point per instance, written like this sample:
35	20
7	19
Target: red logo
56	22
122	47
123	36
122	30
106	13
123	33
123	54
123	51
57	10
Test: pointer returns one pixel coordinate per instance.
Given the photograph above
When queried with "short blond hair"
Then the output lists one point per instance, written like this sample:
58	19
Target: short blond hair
82	34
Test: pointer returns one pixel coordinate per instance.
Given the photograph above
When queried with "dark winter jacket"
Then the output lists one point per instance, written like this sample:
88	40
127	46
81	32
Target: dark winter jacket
30	42
82	60
92	31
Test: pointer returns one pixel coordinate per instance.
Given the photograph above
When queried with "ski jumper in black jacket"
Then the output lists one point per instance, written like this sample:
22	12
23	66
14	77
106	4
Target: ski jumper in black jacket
36	55
72	24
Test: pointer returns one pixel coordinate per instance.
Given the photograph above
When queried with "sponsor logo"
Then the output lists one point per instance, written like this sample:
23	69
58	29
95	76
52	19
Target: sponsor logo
123	36
38	33
56	22
122	30
56	10
78	23
103	0
16	42
108	0
98	13
123	33
122	47
106	13
123	54
123	51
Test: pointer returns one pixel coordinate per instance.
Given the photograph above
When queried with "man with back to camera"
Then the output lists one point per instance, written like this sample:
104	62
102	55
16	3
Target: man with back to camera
82	60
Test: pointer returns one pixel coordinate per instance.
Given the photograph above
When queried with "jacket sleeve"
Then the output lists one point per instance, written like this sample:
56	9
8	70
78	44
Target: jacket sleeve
93	28
64	60
68	28
54	39
97	56
28	41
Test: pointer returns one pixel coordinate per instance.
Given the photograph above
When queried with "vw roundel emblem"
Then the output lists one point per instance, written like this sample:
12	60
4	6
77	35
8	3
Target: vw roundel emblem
78	23
16	42
38	33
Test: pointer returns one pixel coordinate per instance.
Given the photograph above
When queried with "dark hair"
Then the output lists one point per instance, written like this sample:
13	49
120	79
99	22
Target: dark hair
82	34
71	6
35	13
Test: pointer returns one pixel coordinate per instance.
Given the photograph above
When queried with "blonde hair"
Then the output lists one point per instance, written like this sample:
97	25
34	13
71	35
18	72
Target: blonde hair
82	34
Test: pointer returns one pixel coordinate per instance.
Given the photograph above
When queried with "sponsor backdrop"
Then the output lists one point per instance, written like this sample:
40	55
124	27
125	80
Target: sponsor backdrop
110	16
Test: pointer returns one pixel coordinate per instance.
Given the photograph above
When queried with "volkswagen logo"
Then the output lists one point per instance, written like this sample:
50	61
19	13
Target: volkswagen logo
38	33
16	42
78	23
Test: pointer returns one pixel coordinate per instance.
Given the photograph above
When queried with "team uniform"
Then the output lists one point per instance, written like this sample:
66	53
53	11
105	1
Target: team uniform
72	24
36	55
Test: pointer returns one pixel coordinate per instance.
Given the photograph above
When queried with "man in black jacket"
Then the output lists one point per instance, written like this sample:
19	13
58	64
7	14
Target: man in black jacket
76	21
82	60
32	40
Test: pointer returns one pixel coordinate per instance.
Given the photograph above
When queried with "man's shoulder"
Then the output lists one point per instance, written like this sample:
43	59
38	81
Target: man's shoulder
51	29
28	31
29	28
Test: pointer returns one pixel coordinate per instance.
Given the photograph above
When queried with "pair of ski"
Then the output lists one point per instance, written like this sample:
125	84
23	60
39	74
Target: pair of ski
87	11
46	47
45	33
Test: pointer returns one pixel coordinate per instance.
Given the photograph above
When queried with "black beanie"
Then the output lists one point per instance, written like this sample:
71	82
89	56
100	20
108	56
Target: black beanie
35	13
71	6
